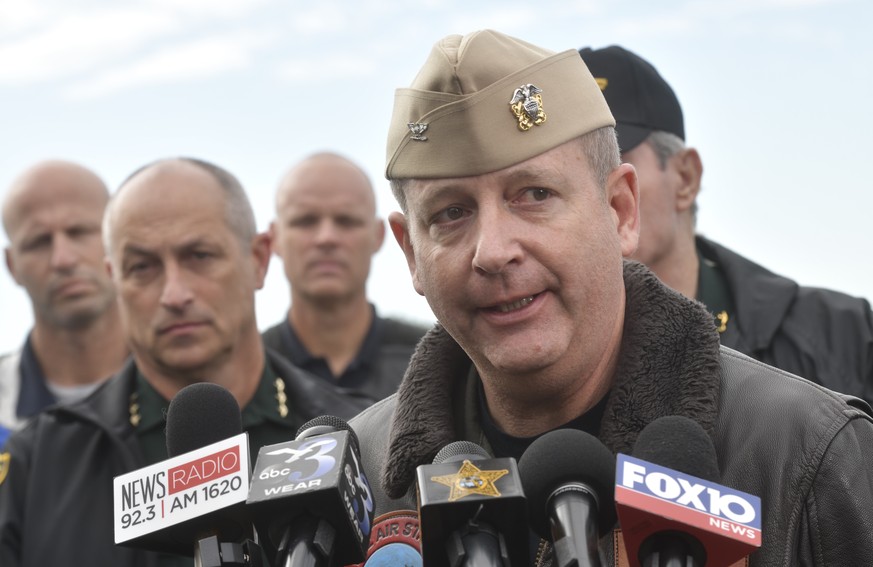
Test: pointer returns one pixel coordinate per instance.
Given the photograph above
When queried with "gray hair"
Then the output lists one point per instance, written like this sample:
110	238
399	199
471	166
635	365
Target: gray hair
599	146
238	213
666	145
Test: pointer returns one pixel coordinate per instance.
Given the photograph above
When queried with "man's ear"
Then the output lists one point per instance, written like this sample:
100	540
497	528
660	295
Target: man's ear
271	232
690	169
623	196
380	235
400	228
10	264
261	252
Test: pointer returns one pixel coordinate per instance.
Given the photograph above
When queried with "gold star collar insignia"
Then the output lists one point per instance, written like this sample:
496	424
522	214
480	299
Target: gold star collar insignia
470	480
5	458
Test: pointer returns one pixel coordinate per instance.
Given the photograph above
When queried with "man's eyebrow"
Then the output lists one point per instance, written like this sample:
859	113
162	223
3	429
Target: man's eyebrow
436	189
130	249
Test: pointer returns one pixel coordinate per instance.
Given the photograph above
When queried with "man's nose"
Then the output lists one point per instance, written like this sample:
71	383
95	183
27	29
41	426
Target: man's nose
177	291
64	252
497	243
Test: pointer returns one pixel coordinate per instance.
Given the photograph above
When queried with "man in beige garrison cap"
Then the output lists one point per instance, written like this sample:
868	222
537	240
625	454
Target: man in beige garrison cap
517	219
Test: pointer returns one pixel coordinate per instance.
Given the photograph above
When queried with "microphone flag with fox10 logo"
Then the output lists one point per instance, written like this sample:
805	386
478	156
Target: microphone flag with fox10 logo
320	476
163	506
651	499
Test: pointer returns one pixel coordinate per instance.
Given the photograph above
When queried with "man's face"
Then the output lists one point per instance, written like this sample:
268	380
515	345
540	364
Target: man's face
326	230
523	266
56	250
186	282
660	205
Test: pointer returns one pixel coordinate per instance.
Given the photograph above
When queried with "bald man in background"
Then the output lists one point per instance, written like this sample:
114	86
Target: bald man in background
186	258
52	218
326	232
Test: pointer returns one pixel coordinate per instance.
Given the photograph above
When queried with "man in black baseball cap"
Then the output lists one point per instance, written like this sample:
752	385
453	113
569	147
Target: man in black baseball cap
819	334
640	99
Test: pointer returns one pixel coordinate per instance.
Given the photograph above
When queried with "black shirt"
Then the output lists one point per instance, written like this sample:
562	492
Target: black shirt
355	375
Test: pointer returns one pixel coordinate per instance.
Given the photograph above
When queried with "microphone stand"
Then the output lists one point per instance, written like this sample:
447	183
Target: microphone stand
209	552
307	542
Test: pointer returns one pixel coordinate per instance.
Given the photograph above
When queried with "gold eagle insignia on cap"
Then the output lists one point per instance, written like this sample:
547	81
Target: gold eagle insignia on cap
527	106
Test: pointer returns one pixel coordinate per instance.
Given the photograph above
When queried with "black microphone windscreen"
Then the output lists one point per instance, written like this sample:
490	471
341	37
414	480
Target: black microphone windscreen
681	444
564	456
326	424
199	415
459	451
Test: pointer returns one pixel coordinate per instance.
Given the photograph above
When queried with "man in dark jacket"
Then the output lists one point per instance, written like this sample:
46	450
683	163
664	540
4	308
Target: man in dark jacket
517	214
326	233
186	259
822	335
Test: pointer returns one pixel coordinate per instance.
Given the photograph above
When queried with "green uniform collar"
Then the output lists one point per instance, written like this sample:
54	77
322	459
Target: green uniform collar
714	292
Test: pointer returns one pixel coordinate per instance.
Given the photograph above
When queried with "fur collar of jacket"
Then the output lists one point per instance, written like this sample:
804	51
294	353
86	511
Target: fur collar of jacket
668	365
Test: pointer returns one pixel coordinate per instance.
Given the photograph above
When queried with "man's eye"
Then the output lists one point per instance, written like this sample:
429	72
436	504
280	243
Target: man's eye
137	268
538	194
454	213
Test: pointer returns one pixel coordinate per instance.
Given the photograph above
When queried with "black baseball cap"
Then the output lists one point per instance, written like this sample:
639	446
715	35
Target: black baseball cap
640	99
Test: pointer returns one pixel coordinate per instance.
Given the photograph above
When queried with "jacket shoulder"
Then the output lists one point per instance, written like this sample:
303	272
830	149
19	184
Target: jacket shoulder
272	337
795	444
373	428
311	395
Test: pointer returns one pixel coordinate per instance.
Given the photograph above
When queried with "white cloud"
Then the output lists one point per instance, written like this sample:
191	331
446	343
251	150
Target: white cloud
20	15
322	18
80	43
176	63
207	9
44	40
327	68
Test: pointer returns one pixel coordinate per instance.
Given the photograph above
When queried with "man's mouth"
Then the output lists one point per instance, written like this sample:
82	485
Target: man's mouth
515	305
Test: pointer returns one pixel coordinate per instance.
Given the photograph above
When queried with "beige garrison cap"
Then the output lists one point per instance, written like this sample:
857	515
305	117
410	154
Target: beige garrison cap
485	101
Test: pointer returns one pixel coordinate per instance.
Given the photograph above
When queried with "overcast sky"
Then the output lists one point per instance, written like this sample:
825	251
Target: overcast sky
777	98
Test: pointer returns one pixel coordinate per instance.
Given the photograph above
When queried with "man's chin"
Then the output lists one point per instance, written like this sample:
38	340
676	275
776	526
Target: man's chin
78	313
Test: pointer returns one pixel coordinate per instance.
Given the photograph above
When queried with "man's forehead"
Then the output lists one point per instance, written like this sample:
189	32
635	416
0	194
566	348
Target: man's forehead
551	165
51	195
166	206
325	187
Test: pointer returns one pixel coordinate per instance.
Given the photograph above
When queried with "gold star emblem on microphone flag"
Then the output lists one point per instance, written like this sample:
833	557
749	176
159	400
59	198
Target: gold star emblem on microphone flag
470	480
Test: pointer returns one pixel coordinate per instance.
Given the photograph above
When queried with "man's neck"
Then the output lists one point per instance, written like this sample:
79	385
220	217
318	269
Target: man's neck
74	357
334	332
680	268
239	371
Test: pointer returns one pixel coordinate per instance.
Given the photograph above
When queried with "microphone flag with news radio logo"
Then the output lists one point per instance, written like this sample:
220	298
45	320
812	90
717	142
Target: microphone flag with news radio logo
188	488
726	521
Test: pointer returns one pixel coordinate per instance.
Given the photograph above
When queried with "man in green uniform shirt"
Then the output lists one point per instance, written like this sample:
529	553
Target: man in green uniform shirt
820	334
186	258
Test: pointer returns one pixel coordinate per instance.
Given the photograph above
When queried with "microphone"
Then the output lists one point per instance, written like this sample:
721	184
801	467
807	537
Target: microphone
567	476
671	508
471	509
312	497
193	502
